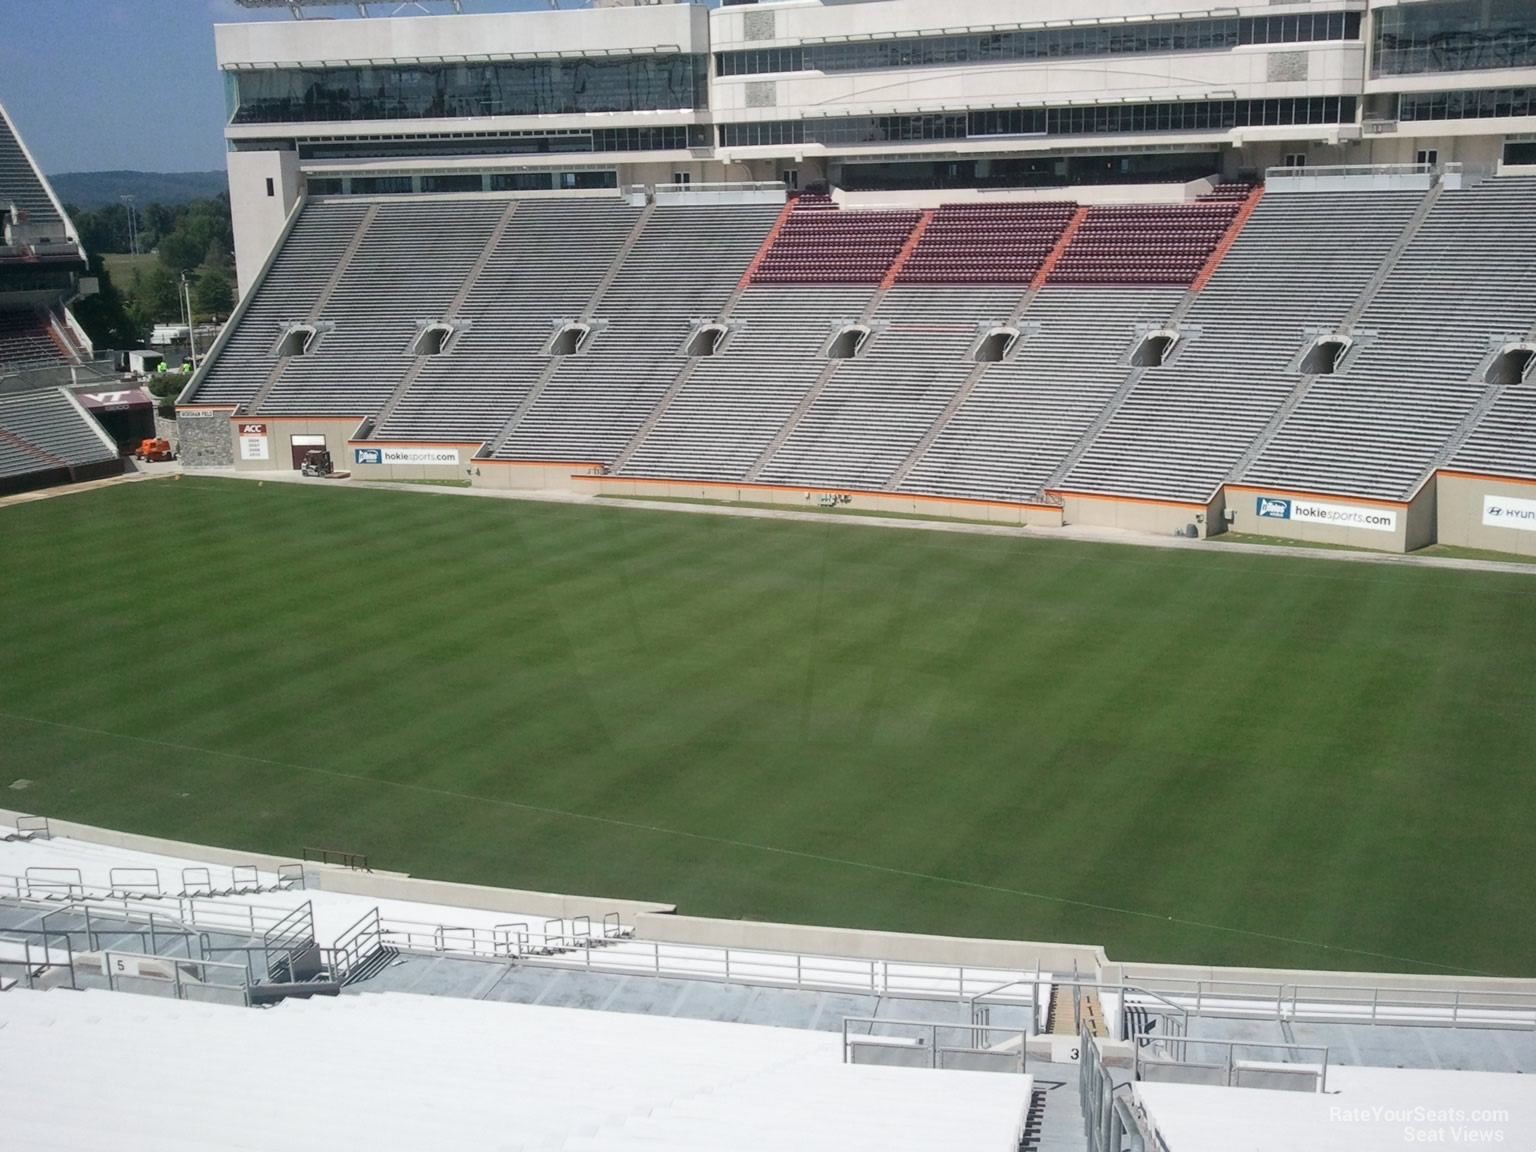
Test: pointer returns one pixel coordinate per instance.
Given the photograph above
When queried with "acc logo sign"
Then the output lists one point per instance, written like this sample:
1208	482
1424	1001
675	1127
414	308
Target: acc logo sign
1274	509
253	429
367	456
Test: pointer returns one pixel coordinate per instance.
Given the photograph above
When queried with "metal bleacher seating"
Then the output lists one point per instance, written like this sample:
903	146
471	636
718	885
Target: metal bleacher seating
727	413
1467	279
545	268
436	1072
1504	441
818	245
1302	260
683	267
877	406
1026	414
44	430
26	341
19	181
986	243
1145	243
412	265
290	289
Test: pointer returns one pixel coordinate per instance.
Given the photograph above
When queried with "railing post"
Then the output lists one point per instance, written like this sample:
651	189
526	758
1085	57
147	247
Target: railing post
727	965
799	980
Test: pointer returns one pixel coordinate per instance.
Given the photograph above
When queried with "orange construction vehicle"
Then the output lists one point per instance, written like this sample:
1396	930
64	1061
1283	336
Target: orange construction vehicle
154	449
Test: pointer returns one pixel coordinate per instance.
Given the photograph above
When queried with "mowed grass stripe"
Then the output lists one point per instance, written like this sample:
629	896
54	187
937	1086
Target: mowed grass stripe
1293	748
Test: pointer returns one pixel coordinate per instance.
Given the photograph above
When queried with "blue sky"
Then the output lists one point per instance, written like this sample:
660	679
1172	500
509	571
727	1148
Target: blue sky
106	84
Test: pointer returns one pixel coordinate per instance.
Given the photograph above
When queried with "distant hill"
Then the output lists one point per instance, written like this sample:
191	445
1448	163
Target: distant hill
91	190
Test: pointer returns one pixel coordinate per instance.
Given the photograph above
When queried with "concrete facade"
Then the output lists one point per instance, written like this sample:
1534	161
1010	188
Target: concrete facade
1496	513
1305	68
250	454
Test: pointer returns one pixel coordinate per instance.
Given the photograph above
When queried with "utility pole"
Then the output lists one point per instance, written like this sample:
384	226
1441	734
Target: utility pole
133	227
186	294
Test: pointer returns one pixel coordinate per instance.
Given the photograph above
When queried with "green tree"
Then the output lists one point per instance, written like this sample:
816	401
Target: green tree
157	298
214	295
187	244
104	316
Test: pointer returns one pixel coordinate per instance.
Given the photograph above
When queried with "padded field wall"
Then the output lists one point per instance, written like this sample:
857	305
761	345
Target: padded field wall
1400	527
1470	510
1152	517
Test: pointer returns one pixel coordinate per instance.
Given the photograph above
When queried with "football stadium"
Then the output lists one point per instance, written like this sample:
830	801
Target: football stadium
848	574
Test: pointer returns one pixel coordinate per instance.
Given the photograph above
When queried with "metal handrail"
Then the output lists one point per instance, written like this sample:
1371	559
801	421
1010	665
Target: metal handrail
357	861
31	967
1229	1065
1322	1003
725	186
118	966
934	1049
28	888
767	968
1315	170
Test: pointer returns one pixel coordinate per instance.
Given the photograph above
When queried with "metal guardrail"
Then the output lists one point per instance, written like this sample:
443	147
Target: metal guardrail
934	1044
1162	1058
724	186
53	885
357	861
573	945
35	958
1342	1003
182	979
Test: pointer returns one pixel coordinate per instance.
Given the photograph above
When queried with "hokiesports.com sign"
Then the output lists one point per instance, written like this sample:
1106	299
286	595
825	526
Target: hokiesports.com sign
382	455
1337	515
1508	512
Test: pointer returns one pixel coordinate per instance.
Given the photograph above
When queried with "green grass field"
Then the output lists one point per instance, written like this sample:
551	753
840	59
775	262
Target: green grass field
1197	756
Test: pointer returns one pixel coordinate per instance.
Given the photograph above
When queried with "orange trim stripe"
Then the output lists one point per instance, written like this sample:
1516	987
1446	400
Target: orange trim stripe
807	488
1228	239
1486	476
268	419
906	250
768	241
1126	499
541	463
1062	244
420	443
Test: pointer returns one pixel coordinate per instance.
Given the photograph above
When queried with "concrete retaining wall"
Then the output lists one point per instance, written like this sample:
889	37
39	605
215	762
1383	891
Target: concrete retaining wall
378	885
397	886
803	499
822	941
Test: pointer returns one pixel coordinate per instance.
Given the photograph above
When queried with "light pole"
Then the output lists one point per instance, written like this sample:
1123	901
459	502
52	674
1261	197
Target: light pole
133	227
186	295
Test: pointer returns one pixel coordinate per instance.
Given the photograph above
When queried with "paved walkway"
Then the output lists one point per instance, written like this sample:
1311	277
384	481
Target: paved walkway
1076	532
